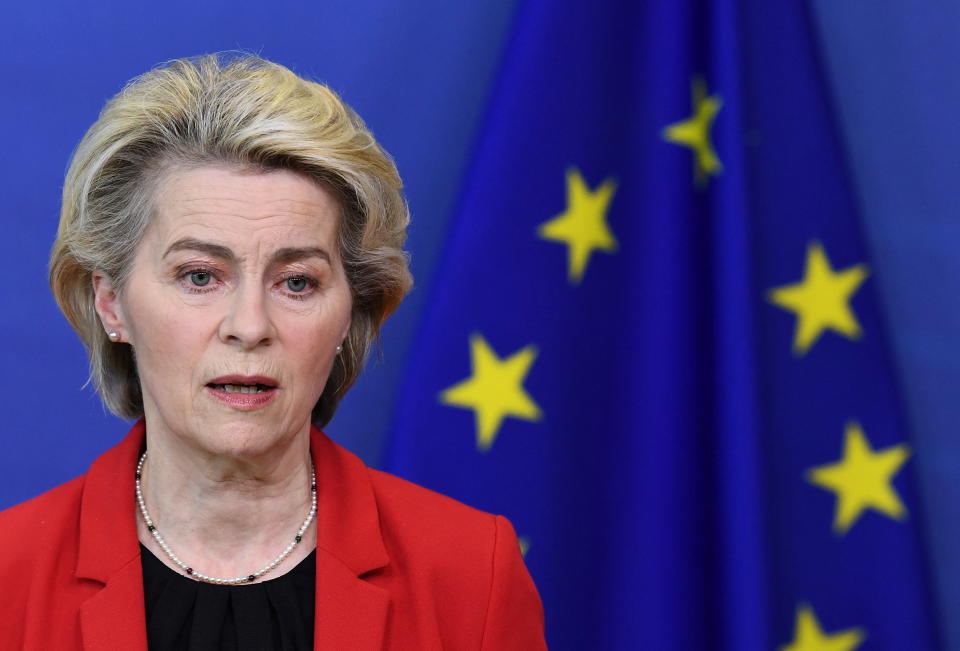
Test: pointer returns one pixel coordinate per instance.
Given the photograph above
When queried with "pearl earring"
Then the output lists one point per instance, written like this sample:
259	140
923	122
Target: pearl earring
113	336
339	348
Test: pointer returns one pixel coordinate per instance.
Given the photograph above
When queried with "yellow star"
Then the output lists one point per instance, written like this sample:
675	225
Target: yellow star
821	300
583	227
862	479
808	636
694	132
495	390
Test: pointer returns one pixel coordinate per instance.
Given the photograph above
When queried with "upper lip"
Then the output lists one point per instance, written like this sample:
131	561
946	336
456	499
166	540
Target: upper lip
245	379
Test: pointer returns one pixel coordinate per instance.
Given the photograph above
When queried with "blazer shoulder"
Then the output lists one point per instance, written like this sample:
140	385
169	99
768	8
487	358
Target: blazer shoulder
29	527
438	531
467	565
401	501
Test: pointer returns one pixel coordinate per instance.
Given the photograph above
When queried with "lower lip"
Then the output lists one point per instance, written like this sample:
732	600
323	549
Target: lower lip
243	401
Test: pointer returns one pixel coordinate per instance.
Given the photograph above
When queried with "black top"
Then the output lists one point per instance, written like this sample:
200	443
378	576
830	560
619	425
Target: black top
187	615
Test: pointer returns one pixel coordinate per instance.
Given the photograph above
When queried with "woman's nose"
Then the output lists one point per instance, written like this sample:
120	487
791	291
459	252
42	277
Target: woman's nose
247	322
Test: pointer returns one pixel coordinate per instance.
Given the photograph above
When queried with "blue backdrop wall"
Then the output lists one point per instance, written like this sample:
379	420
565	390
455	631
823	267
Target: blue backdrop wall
420	74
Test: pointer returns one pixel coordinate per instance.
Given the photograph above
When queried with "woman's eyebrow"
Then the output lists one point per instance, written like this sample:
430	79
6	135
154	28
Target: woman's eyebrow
280	256
293	254
191	244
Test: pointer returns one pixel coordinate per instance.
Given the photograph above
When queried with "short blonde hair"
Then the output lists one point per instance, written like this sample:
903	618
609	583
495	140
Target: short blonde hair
233	109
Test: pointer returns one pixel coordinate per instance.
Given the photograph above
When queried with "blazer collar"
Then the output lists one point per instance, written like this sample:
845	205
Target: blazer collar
108	525
348	523
350	612
109	551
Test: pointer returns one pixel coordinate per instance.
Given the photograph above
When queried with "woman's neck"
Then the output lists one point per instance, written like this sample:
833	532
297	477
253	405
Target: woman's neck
226	516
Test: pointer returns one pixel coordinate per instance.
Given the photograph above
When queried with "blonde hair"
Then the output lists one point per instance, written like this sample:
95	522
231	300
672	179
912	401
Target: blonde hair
224	109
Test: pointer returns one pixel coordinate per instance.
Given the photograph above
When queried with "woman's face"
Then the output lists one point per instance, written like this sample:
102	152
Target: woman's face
236	302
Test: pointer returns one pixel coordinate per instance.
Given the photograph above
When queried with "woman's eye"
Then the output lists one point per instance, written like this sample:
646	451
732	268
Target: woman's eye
200	278
296	284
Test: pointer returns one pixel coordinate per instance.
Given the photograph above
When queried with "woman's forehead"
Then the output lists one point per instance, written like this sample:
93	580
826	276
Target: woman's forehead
275	208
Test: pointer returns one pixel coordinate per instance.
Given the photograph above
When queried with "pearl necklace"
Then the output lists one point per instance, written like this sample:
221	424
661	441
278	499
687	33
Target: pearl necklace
211	579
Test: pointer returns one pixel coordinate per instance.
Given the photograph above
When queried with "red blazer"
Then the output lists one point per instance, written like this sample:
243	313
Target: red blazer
398	566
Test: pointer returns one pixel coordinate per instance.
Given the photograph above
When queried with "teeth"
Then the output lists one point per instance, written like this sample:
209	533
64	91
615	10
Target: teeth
242	388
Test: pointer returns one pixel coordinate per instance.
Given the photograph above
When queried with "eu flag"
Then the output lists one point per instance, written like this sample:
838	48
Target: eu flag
655	343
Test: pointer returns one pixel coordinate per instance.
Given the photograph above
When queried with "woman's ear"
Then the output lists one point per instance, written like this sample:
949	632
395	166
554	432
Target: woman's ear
107	303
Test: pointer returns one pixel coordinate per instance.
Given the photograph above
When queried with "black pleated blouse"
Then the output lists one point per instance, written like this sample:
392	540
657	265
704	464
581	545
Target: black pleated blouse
187	615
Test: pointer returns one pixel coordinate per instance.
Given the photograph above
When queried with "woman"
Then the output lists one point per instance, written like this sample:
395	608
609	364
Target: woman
229	246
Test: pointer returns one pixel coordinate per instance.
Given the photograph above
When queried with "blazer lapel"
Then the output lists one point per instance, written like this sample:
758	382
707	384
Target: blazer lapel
115	617
350	612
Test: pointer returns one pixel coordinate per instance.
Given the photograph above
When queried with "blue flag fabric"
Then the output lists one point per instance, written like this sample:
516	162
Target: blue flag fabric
655	344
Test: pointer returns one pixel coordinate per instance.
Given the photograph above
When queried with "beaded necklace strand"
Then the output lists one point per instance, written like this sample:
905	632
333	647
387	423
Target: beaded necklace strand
189	571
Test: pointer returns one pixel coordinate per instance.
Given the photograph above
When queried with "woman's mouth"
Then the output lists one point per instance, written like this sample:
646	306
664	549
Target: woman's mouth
243	392
241	388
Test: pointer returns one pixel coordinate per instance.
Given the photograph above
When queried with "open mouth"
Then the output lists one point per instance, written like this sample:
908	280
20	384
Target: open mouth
241	388
244	392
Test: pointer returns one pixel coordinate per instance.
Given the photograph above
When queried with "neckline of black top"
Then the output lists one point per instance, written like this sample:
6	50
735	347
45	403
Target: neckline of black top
186	615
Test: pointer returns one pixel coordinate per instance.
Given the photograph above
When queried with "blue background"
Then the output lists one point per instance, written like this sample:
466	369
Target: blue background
419	73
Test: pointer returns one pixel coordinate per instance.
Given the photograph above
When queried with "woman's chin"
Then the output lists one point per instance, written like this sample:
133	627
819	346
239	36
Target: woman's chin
247	446
241	436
